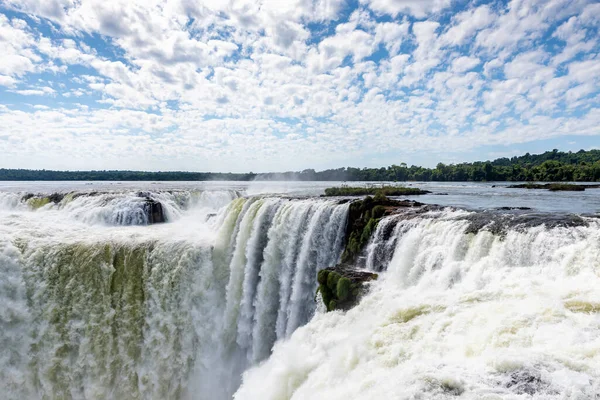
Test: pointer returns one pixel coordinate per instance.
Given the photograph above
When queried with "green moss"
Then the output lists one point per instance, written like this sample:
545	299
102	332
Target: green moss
332	305
38	202
378	212
322	276
380	196
326	294
332	280
582	307
343	288
368	231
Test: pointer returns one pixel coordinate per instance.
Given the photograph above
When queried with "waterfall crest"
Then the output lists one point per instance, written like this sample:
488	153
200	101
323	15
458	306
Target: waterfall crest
176	310
477	313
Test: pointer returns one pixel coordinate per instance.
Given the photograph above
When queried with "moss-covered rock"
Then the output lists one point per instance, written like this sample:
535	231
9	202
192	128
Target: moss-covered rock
332	280
322	276
363	217
38	202
343	286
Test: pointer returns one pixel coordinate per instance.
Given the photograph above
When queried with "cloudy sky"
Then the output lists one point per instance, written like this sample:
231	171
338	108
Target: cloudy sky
270	85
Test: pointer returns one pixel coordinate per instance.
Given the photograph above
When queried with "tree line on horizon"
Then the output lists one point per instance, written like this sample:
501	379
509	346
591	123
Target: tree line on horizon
581	166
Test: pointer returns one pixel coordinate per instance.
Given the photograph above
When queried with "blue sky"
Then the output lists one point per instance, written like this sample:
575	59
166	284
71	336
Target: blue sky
273	85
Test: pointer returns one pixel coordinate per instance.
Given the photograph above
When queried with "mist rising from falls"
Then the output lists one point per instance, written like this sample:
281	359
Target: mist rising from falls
477	315
175	311
117	208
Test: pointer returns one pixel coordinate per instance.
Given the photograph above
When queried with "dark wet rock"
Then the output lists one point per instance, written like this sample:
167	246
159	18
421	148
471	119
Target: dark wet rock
154	211
526	382
500	223
555	187
342	286
42	199
513	208
440	194
56	197
75	195
363	217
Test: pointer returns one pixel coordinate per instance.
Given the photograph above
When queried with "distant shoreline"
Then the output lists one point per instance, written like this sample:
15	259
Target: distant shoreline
551	166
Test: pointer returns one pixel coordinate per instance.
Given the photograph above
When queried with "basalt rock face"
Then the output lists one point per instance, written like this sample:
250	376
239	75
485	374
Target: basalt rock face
363	217
342	286
153	210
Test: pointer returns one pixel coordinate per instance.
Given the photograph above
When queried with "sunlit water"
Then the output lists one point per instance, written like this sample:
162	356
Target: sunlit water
99	305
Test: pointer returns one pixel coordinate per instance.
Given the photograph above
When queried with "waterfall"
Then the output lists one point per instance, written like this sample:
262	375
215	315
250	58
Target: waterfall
117	208
504	309
93	309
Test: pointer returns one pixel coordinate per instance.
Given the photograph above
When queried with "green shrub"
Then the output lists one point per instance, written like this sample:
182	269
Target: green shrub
332	305
378	212
322	276
343	288
326	294
367	231
373	190
332	280
380	197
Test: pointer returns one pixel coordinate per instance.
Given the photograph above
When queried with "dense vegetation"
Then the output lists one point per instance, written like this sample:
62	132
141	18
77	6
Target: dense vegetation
47	175
582	166
373	190
340	287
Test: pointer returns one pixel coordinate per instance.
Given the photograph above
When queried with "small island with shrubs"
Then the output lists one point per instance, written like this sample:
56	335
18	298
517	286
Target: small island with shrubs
341	286
373	190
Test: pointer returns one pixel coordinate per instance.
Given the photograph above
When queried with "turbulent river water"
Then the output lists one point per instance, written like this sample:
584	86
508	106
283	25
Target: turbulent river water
219	301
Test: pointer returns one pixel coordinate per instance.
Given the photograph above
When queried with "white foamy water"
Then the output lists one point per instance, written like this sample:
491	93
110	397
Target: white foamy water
96	310
455	315
117	207
99	303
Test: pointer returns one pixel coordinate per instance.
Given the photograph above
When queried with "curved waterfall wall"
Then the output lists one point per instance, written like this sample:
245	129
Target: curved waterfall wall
109	312
509	310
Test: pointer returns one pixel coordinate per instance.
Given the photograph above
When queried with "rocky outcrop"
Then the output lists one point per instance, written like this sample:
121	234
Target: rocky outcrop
363	217
342	286
153	209
555	187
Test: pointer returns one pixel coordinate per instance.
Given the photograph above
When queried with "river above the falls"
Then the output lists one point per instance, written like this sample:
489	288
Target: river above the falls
468	195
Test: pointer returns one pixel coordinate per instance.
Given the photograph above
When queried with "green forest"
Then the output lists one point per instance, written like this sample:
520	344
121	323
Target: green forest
551	166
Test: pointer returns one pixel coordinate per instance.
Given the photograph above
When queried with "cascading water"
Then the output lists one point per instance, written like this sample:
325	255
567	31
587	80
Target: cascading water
176	310
118	208
473	304
506	309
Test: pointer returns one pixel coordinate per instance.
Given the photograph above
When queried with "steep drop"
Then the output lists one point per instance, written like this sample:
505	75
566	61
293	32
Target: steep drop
478	313
176	311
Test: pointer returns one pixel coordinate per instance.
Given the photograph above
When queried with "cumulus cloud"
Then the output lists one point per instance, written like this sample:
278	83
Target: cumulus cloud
270	84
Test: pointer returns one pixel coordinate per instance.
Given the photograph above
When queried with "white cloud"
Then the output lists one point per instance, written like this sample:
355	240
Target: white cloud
42	91
467	23
418	8
465	63
276	84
